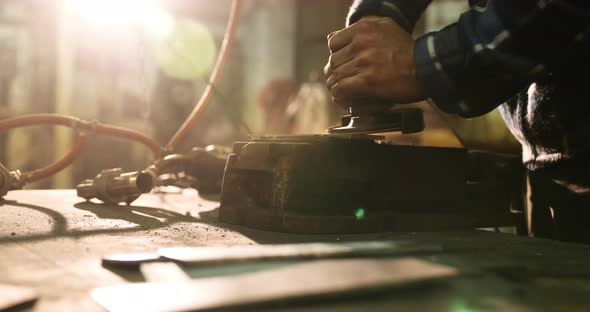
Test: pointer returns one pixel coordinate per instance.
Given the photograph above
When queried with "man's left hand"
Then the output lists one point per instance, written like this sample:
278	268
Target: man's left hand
372	61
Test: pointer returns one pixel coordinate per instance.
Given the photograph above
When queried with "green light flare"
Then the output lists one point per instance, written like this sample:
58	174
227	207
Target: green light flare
360	214
460	306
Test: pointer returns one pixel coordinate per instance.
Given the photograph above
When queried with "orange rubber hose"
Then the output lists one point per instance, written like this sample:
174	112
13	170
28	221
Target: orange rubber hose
37	119
119	132
72	122
123	133
205	99
59	165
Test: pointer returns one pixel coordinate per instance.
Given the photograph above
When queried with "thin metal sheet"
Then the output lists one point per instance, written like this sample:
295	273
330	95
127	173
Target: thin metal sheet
310	280
204	255
129	259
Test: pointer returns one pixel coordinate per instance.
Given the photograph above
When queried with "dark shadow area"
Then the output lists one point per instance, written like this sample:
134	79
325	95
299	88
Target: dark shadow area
270	237
59	222
146	218
404	295
210	215
130	274
27	306
211	197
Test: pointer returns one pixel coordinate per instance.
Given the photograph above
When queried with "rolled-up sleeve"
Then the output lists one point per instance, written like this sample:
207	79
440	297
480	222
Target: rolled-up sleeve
493	51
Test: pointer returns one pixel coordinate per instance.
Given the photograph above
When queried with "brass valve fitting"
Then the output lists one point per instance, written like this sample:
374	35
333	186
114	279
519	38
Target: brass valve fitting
10	180
114	186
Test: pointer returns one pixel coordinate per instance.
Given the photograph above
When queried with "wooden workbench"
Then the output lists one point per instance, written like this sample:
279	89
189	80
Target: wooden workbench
53	241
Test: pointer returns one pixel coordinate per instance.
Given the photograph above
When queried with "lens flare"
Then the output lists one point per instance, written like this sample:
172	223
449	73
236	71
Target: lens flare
118	15
360	214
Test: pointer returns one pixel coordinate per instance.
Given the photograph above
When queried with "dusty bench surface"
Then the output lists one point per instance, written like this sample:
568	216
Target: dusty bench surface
53	241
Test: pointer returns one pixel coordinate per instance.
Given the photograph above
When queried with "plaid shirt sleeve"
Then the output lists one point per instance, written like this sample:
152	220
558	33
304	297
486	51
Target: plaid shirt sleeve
499	48
404	12
496	49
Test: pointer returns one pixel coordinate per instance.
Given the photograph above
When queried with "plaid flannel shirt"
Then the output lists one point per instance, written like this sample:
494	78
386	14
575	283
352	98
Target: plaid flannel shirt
529	55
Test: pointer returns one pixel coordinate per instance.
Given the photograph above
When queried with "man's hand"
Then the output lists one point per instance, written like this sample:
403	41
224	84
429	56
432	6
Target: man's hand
371	62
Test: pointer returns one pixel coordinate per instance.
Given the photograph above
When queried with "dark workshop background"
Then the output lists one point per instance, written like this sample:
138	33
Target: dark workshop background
143	65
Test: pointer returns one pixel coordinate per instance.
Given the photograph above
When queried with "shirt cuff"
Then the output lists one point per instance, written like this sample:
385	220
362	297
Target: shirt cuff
439	57
383	8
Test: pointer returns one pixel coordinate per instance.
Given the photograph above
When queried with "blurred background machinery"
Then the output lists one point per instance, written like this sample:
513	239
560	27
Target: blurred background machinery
145	67
143	64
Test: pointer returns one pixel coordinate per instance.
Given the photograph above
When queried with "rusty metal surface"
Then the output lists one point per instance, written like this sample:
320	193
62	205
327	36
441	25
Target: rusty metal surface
335	184
53	242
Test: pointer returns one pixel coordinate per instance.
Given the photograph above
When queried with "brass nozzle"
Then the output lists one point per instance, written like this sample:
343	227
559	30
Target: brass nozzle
10	180
113	186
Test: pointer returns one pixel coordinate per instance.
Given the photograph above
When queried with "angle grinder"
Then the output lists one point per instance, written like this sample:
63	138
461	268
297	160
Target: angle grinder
379	118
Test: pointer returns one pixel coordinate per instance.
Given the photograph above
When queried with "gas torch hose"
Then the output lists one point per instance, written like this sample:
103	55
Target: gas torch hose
214	79
84	128
68	159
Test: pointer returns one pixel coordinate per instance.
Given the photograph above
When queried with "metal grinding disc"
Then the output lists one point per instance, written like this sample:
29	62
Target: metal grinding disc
314	137
405	120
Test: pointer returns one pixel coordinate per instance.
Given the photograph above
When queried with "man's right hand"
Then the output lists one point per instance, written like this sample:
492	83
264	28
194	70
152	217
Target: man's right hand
372	61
